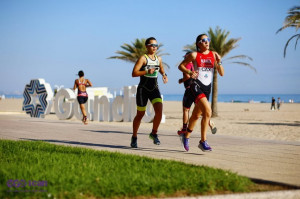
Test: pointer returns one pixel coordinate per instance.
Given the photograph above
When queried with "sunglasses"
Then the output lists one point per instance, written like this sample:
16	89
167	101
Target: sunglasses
153	45
204	40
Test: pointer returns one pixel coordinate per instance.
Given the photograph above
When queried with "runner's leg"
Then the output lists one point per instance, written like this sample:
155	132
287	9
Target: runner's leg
158	107
137	121
206	110
82	108
193	119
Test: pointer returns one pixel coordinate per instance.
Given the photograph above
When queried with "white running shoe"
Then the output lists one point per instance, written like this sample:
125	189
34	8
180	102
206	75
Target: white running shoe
212	126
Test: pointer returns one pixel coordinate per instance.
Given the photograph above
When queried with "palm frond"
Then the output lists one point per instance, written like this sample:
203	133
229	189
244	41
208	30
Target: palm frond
245	64
121	58
191	47
162	54
297	41
239	57
292	20
165	64
127	47
287	43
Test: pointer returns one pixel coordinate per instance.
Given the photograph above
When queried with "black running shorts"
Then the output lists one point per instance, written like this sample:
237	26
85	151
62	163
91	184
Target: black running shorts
199	90
142	96
188	99
82	99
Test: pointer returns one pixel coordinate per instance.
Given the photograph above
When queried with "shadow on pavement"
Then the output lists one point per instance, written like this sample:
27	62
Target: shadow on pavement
112	146
130	133
270	124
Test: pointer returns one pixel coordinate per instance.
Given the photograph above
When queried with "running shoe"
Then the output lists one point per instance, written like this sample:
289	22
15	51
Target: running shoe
84	120
204	146
179	132
133	143
212	126
155	139
184	142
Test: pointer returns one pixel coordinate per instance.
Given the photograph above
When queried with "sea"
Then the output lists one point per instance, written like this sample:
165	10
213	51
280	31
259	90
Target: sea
235	98
245	98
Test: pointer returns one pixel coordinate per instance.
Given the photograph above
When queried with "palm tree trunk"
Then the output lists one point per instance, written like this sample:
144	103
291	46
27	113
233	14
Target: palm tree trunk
214	100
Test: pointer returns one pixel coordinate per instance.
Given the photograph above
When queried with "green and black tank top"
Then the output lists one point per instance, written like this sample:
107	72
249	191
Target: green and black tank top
149	81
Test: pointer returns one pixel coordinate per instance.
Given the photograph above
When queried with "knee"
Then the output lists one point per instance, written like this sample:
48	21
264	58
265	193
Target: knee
140	115
186	110
207	113
158	113
158	108
196	116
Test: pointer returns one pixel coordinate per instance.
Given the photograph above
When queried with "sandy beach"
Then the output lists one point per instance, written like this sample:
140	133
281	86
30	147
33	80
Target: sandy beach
254	120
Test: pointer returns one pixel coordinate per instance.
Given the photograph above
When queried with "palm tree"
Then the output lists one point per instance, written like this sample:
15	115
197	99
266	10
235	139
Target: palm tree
133	52
291	21
222	45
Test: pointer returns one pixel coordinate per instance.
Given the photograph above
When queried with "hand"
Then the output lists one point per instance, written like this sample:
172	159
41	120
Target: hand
165	79
151	70
218	57
194	74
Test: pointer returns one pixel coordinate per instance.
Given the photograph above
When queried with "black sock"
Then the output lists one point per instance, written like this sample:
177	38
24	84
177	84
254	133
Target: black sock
133	138
184	127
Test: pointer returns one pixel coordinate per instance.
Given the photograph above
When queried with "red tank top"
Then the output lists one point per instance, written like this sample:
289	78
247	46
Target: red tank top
205	67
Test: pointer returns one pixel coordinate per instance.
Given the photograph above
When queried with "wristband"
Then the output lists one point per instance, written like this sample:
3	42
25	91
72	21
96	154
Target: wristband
220	63
165	74
190	73
147	71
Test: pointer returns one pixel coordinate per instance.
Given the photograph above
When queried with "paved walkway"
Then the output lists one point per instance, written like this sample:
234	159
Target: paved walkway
275	161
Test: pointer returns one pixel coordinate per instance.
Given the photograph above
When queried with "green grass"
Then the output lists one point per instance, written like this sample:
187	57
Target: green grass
73	172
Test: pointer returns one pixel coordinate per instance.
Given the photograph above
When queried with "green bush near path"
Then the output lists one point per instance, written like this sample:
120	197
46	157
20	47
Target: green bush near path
56	171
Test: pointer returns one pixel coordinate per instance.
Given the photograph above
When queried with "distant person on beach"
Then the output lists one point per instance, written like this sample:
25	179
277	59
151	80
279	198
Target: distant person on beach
278	103
273	104
147	68
82	95
188	100
205	61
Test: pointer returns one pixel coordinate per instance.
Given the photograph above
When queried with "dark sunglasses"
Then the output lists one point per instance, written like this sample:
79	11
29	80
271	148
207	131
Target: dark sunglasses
204	40
153	45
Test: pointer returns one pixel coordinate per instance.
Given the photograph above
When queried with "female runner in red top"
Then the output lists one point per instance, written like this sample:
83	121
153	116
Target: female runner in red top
205	61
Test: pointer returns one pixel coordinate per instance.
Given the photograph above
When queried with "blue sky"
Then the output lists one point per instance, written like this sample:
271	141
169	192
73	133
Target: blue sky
55	39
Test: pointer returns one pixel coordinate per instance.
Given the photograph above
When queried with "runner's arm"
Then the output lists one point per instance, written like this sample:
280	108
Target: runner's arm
189	66
162	71
89	83
218	64
182	66
138	65
185	77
